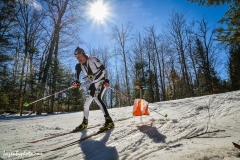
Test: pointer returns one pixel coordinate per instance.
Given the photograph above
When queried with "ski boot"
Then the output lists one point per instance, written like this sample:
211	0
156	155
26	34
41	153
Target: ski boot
108	124
82	126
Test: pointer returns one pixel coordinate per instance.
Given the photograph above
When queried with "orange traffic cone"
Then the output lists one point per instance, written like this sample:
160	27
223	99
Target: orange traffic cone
140	107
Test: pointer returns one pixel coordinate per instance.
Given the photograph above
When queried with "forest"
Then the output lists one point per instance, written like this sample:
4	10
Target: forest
38	38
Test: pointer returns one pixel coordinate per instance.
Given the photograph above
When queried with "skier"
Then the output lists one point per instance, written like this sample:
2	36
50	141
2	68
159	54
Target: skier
98	78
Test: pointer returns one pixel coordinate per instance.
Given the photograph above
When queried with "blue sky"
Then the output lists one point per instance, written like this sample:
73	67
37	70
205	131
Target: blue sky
144	13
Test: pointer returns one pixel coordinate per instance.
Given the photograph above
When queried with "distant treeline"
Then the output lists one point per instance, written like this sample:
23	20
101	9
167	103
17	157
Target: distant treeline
184	60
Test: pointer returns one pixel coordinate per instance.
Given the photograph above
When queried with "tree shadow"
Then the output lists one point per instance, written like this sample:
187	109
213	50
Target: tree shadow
31	116
97	149
152	133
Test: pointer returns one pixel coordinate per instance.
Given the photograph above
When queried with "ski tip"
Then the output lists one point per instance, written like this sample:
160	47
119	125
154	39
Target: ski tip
75	131
100	131
236	145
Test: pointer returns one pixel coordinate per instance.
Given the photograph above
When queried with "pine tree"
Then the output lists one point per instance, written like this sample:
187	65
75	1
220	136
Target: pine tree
231	34
139	79
7	19
7	16
234	67
211	81
174	85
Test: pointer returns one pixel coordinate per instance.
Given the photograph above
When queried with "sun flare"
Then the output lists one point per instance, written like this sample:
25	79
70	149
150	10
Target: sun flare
98	11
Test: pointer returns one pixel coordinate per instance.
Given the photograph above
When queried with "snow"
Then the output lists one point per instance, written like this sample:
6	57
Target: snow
153	138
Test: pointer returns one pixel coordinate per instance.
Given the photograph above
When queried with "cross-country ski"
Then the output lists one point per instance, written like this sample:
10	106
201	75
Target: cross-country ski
60	134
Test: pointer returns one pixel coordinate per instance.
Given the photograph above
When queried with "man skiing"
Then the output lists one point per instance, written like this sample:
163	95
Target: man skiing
97	76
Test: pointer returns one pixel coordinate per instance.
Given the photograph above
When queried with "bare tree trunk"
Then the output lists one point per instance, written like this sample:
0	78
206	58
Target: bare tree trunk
55	73
29	22
190	42
57	29
20	95
152	61
207	56
176	33
122	36
154	39
24	20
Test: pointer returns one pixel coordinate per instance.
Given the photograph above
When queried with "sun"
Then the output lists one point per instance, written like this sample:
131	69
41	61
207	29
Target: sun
98	11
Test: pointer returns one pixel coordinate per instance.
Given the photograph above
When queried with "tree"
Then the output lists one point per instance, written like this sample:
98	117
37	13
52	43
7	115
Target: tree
211	2
158	49
62	14
177	35
231	34
152	70
7	16
174	85
122	35
206	55
233	67
140	64
8	13
57	10
193	60
29	22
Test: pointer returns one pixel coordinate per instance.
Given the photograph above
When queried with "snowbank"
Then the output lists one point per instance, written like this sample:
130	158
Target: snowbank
216	117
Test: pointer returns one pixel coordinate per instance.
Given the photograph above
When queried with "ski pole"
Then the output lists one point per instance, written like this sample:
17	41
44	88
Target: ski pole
26	104
121	93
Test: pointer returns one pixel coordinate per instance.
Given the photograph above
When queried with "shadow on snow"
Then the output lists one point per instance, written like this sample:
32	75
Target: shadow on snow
98	149
14	117
152	133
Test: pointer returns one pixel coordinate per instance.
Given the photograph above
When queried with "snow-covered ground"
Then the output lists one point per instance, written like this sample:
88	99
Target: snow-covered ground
152	138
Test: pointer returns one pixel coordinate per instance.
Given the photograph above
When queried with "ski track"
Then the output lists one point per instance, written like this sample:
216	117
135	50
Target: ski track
132	139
